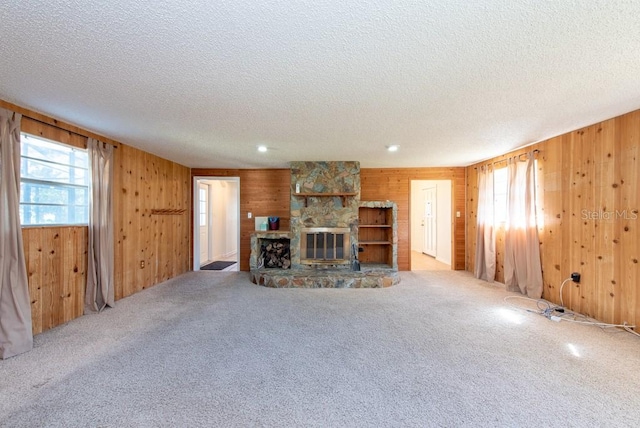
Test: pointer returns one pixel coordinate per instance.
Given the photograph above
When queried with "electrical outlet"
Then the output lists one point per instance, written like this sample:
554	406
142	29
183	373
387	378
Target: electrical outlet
575	277
141	264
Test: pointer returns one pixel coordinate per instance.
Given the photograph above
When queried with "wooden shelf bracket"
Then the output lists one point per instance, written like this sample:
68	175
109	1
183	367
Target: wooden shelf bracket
168	211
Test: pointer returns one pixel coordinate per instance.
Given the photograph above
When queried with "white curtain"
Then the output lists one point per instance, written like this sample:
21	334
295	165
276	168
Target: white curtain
485	266
16	335
100	281
522	267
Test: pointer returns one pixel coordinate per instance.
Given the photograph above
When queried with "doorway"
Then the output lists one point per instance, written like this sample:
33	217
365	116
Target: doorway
429	221
204	228
431	224
216	223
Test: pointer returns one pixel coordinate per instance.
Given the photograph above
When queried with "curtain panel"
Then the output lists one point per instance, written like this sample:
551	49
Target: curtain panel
522	265
16	334
100	268
485	263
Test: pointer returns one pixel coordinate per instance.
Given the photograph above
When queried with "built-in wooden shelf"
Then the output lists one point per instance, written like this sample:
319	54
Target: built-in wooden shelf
343	195
376	233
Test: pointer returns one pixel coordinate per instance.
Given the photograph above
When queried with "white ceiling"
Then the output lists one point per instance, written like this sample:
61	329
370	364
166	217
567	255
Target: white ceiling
204	82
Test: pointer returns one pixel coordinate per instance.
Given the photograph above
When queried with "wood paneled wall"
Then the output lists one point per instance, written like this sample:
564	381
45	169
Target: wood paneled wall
588	198
57	256
57	272
263	192
144	182
266	192
395	185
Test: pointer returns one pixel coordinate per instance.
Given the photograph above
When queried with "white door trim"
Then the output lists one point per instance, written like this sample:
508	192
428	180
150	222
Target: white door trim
196	221
208	238
446	218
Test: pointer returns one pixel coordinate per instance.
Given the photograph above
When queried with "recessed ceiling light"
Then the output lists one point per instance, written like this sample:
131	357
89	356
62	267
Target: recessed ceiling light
262	149
393	148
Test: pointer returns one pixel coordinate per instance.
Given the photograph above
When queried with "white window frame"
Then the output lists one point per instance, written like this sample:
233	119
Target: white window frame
56	184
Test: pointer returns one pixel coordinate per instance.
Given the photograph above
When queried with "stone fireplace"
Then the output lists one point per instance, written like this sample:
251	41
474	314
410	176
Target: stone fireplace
325	198
324	224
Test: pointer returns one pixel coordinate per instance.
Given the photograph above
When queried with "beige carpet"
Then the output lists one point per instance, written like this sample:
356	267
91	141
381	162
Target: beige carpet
212	349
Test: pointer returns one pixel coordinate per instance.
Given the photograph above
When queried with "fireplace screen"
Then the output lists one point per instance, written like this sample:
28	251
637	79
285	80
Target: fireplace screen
327	245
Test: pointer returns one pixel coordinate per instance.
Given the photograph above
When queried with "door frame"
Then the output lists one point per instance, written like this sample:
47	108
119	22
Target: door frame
196	218
452	220
201	184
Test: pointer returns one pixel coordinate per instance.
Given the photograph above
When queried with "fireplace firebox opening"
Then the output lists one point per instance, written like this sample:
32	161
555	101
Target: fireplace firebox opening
325	245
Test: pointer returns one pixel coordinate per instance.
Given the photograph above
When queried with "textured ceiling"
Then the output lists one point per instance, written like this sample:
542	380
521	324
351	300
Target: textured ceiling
203	82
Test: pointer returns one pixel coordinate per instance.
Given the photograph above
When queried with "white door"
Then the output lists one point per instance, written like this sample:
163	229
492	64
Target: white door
203	221
430	233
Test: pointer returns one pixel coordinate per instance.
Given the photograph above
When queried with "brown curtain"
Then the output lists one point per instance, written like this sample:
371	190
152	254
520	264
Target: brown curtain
16	335
522	267
100	291
485	266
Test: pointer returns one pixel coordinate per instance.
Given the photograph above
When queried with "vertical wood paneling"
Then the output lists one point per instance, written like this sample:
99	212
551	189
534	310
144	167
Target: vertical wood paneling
56	268
33	258
553	214
472	217
566	175
588	197
51	285
601	302
145	182
628	185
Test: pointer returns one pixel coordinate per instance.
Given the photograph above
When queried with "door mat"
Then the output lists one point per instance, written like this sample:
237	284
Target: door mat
217	265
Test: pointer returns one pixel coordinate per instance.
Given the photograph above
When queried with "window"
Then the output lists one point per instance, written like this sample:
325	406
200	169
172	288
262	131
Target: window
54	183
203	206
500	195
500	187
